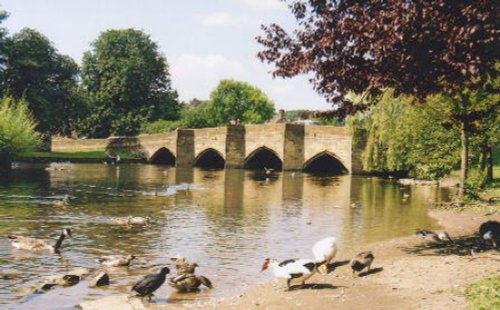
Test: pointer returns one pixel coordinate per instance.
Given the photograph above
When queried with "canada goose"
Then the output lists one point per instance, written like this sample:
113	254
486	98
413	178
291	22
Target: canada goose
116	260
433	236
490	230
62	202
324	251
151	282
189	282
361	261
32	244
300	269
182	266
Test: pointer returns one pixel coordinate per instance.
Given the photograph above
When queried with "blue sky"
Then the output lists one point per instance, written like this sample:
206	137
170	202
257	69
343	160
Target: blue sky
204	40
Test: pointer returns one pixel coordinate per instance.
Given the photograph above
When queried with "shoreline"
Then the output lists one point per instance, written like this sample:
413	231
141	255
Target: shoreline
407	273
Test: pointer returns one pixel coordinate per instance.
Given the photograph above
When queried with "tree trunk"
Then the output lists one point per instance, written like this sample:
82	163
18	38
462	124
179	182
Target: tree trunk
464	165
489	164
482	159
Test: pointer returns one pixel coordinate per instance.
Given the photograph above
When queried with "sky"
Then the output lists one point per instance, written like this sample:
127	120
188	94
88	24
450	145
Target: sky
204	41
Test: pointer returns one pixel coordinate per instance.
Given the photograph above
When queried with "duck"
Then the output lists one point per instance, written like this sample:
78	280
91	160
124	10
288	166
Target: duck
189	282
182	266
433	236
324	251
290	269
62	202
32	244
361	261
151	282
268	170
130	221
138	220
116	260
490	230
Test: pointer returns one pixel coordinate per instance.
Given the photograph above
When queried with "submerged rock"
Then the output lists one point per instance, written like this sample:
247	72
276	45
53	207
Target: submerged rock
100	280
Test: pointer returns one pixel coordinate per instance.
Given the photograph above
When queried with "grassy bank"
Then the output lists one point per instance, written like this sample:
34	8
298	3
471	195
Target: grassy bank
484	294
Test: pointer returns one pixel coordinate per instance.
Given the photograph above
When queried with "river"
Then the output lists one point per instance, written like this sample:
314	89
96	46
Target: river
228	221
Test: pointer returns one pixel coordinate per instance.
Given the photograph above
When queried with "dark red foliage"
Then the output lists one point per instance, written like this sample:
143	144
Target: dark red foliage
416	47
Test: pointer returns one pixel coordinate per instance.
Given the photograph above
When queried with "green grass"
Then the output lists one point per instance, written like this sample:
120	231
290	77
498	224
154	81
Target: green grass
484	294
78	154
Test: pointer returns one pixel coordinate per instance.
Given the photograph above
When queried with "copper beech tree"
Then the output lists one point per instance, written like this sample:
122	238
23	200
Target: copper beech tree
417	47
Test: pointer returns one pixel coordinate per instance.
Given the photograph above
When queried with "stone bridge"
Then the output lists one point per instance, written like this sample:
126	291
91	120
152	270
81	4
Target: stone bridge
277	146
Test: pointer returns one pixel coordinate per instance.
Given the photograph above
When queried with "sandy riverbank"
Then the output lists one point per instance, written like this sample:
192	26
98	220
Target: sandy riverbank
409	273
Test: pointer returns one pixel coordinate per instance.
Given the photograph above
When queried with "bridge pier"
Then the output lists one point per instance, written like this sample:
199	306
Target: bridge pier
235	146
185	148
293	147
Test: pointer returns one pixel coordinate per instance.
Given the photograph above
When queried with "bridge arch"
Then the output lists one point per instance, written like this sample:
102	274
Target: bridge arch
325	163
209	158
263	157
163	156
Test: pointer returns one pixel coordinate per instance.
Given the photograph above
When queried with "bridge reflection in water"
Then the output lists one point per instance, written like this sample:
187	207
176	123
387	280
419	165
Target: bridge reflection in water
227	220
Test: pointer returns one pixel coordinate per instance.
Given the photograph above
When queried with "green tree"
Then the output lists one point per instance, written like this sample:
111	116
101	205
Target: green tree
236	100
128	83
3	56
402	137
17	131
47	80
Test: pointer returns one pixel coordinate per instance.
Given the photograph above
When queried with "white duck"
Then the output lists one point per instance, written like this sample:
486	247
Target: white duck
324	251
32	244
300	269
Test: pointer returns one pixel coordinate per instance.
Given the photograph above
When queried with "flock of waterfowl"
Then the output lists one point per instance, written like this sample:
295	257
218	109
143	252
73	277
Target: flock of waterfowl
185	280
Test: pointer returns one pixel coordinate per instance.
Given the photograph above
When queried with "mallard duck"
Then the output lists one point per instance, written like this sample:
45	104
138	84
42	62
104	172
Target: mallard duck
300	269
62	202
32	244
490	231
433	236
182	266
361	261
189	282
324	251
151	282
138	220
116	260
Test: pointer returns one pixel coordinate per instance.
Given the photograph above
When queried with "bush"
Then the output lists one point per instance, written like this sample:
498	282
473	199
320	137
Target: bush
17	131
160	126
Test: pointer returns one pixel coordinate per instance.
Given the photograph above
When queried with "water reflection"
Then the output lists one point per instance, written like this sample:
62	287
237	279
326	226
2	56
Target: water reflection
226	220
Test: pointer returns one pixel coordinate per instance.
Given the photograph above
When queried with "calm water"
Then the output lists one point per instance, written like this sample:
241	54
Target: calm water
227	221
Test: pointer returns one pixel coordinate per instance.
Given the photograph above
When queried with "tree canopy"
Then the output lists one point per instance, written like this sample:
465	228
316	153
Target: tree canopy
414	46
128	83
46	79
237	100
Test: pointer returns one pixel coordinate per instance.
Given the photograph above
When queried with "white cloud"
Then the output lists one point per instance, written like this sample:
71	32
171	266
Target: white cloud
197	75
220	19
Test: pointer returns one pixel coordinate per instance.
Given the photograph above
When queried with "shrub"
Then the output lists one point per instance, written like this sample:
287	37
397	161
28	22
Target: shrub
17	131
